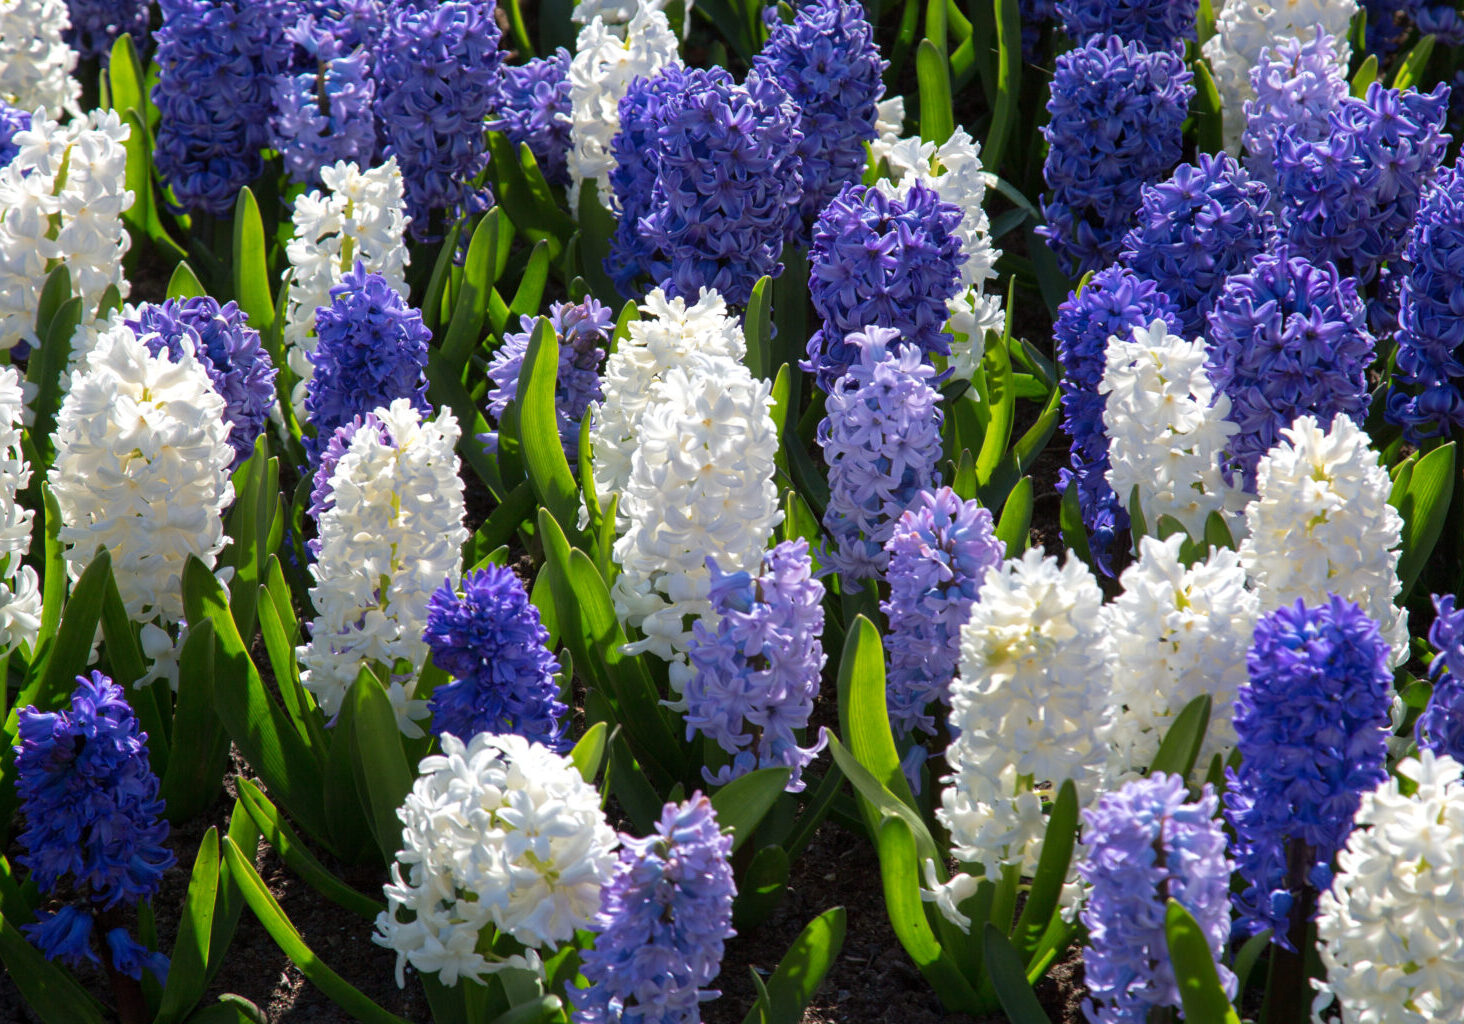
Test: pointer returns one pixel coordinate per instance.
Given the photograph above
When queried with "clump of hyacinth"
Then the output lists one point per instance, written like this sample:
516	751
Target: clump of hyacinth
1178	632
827	60
1115	117
1298	82
1196	228
20	587
1424	395
1113	303
666	914
36	63
215	95
1166	428
497	833
1287	337
636	149
954	170
1143	845
880	437
533	106
97	24
755	665
322	497
1154	23
583	330
1311	723
881	261
1030	708
939	554
324	105
93	820
12	121
436	70
392	535
1388	929
371	348
230	352
490	640
1441	726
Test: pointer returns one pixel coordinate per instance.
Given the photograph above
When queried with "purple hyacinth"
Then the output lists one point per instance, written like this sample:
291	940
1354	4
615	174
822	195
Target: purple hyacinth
938	556
1116	114
1145	844
533	107
92	816
583	330
1312	728
371	348
1154	23
228	348
1425	392
1298	83
757	670
1441	726
97	24
880	437
882	261
12	120
324	104
490	640
1113	302
829	63
1194	230
322	493
437	72
662	925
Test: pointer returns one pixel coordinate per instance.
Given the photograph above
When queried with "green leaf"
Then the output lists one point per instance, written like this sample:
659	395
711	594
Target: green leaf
1366	75
543	451
997	364
884	802
1138	526
44	371
1008	81
124	77
1424	506
542	1009
933	72
54	294
1074	533
470	304
801	970
1052	866
761	887
251	264
230	904
1204	999
863	713
589	753
1209	113
596	226
1217	532
1009	977
437	282
1181	744
201	747
743	802
383	775
187	977
1410	72
230	1009
758	321
48	991
530	292
1247	958
1016	518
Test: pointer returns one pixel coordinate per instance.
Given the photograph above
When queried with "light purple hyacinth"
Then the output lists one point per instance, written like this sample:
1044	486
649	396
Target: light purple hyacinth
1298	83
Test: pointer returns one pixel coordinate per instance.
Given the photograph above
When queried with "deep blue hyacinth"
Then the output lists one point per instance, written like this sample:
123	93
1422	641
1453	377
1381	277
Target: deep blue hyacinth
92	816
1113	302
1143	844
1036	16
1194	230
1312	728
533	107
96	25
228	348
1425	392
757	670
827	60
12	120
322	493
1154	23
1287	337
490	640
583	330
1116	113
437	70
371	348
938	556
1441	726
324	104
662	925
880	261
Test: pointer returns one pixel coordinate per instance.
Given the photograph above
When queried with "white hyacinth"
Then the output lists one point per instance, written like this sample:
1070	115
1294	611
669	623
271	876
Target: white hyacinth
36	65
20	591
47	220
1030	707
889	123
603	67
360	216
500	832
1177	633
1166	428
1388	930
394	534
701	485
954	171
1321	525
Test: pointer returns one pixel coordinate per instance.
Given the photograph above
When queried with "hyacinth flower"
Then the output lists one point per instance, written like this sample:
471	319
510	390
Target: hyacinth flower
12	120
93	829
636	150
756	665
490	640
666	915
20	585
324	102
1154	23
1298	82
36	63
97	24
1441	726
533	107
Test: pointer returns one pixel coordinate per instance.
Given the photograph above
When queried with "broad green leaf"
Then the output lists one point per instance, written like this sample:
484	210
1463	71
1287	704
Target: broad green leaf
251	263
1247	958
245	835
1052	867
758	320
54	294
382	773
863	713
1138	526
761	887
933	73
596	226
1424	506
1008	81
1016	518
201	746
886	803
280	639
1002	407
528	297
470	304
589	753
187	978
1410	72
543	451
1217	532
44	371
1074	533
1209	113
1181	744
742	803
48	990
437	283
1008	976
1204	999
1366	75
124	77
502	523
545	1008
801	970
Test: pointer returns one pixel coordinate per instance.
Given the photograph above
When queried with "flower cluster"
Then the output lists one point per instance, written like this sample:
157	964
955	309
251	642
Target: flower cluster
533	107
92	814
97	24
1143	844
880	437
756	665
1154	23
881	261
20	586
322	496
666	914
36	64
1441	726
636	150
1312	727
496	832
324	106
939	553
1115	116
1297	84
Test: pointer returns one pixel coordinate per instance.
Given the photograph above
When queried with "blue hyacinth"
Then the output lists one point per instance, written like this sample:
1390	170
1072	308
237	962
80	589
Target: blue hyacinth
1312	728
1154	23
533	107
324	104
93	818
1298	83
880	261
490	640
1116	113
12	120
1441	726
97	24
